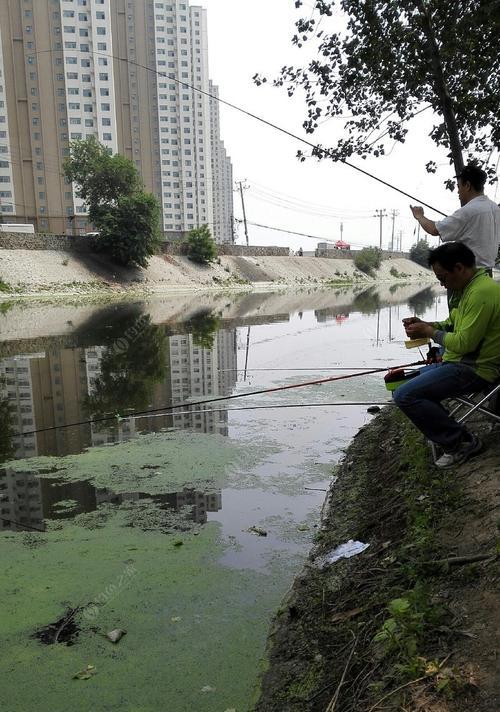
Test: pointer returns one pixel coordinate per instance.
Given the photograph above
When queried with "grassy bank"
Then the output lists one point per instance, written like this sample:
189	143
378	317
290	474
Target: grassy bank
409	624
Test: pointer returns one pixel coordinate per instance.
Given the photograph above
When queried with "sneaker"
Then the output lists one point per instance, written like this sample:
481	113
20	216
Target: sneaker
461	453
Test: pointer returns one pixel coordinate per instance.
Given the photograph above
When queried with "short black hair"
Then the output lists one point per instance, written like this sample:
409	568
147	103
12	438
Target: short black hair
451	254
474	175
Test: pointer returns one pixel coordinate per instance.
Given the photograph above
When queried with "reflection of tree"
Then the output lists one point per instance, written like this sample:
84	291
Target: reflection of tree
203	326
367	302
6	430
129	370
422	301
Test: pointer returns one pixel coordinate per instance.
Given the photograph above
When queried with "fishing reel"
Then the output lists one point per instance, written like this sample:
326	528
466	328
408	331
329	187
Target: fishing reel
434	355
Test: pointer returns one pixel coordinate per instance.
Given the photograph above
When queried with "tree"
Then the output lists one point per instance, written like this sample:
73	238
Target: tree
101	178
127	218
130	230
419	253
394	60
419	303
129	371
368	259
204	326
6	430
201	246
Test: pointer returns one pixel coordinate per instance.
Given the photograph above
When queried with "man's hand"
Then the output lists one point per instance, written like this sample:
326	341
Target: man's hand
418	211
420	330
428	225
411	320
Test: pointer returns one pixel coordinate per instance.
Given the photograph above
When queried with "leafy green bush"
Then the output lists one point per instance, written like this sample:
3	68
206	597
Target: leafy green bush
127	218
419	253
201	245
130	229
368	259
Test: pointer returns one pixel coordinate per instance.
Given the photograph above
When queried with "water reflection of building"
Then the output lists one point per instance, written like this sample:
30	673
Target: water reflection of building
197	503
46	390
17	387
198	373
59	391
20	501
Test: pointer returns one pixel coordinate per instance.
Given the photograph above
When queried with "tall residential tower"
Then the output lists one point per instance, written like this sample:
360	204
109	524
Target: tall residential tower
134	74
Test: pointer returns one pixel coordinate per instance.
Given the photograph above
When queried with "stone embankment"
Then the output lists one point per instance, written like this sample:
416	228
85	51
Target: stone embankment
31	271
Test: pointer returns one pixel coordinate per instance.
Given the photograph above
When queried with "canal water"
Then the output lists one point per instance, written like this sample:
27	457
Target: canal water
182	527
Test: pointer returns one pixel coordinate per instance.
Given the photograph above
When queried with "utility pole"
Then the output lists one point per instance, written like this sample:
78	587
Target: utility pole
233	232
341	231
380	213
394	214
241	188
400	240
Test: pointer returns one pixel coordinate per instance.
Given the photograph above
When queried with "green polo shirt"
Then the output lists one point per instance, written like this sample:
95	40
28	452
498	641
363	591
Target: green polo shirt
471	334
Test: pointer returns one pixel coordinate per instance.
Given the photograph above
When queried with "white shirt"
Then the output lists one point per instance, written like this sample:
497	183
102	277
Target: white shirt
477	225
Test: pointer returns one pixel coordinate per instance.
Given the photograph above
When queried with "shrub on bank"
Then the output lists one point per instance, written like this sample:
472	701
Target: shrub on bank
419	253
368	259
201	246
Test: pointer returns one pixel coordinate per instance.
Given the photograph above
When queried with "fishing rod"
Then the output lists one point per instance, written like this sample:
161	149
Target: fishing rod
325	151
316	368
265	407
262	391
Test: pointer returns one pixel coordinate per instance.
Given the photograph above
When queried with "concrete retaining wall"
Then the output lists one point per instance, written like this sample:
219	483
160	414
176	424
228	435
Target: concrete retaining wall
42	241
80	243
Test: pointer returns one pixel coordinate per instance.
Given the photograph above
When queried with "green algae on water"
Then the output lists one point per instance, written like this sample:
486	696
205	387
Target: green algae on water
152	464
191	622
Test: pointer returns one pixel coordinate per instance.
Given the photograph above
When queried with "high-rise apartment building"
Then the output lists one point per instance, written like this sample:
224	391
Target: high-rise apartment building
222	172
134	74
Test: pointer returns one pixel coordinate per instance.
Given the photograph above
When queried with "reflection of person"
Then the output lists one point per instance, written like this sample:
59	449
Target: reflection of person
471	361
476	223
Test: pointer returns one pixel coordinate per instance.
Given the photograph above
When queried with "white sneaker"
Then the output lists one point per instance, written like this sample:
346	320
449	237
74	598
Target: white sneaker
461	453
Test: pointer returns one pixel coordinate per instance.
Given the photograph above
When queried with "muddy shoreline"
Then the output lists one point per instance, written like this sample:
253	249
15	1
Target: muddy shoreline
401	626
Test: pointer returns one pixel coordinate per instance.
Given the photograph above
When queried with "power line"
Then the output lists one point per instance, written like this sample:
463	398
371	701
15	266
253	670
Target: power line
293	232
324	151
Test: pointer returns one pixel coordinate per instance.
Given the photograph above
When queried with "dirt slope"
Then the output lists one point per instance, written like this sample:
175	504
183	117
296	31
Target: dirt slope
35	270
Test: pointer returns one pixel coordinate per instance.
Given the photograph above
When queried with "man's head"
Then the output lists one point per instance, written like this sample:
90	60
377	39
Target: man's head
470	181
454	264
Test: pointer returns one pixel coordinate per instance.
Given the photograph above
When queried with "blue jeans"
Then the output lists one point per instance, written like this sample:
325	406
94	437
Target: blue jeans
419	399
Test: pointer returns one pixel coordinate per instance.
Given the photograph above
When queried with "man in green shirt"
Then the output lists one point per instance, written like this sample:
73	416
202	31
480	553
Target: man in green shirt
471	361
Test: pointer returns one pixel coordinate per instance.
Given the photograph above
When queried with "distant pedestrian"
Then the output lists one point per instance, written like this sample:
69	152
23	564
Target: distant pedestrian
300	252
476	223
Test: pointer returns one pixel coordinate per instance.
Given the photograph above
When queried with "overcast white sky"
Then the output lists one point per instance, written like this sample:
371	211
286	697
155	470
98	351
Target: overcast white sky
249	36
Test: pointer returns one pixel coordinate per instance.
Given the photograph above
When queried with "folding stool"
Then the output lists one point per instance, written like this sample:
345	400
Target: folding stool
473	402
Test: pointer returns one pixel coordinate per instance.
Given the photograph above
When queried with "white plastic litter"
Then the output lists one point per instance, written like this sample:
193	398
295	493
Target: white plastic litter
344	551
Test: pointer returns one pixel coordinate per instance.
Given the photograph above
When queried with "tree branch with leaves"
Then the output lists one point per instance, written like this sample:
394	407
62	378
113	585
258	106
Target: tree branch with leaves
393	59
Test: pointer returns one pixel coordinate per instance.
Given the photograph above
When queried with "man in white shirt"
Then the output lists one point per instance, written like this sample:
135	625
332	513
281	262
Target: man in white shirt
476	223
